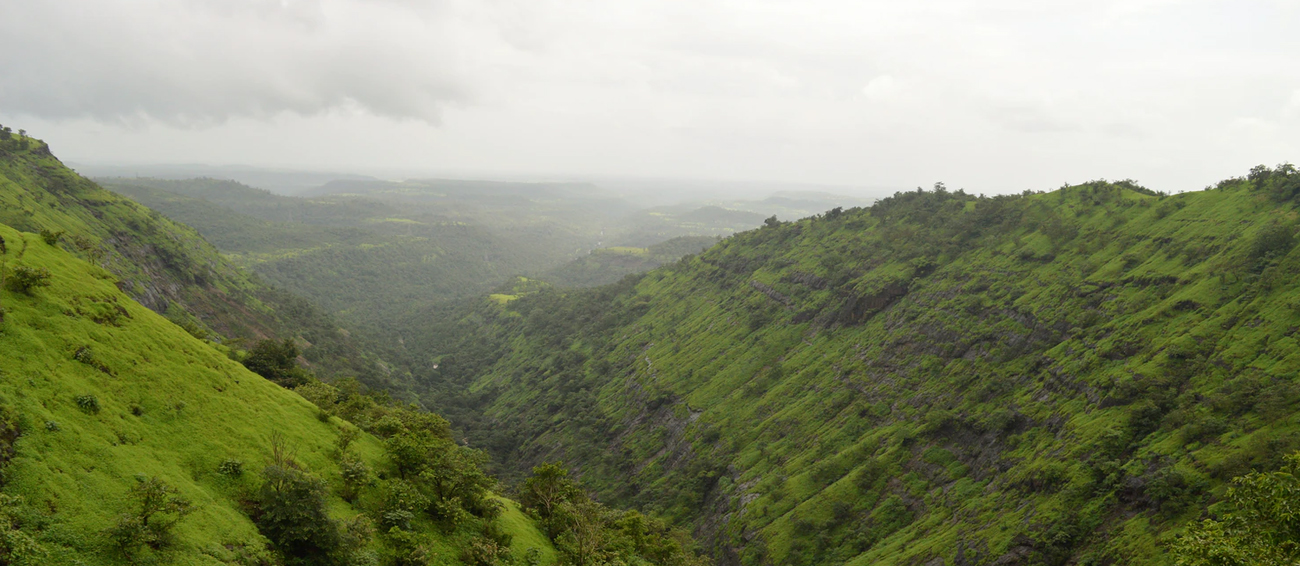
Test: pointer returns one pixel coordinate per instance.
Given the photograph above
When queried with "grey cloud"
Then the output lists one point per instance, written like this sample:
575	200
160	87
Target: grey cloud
990	94
206	61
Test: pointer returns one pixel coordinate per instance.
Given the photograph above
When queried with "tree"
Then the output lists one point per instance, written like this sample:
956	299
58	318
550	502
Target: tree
1261	526
549	487
291	512
277	360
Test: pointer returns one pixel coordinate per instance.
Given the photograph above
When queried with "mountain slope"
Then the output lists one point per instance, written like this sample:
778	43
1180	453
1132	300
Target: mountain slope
166	266
99	395
1041	379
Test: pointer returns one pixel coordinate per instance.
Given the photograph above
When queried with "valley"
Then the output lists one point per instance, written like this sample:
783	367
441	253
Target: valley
1064	377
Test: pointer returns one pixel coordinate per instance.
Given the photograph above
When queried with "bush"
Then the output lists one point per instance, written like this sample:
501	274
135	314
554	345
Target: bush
1258	523
292	514
1275	240
484	551
25	280
88	404
231	467
87	356
356	475
16	546
155	509
277	360
51	237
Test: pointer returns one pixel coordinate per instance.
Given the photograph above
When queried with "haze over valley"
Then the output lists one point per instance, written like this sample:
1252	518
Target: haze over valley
417	283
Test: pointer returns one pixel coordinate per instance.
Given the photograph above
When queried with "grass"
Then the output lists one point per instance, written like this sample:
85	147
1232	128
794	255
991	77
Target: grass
169	405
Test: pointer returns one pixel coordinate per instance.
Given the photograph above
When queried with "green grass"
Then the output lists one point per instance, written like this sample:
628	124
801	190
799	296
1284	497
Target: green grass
526	534
170	406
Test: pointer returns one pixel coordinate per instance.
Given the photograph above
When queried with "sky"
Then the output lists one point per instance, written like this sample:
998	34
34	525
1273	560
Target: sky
988	95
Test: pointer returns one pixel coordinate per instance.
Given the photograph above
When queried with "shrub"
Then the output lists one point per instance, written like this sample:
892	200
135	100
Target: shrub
1274	240
16	546
154	510
1258	524
402	503
25	280
52	426
277	360
87	356
291	513
485	552
231	467
51	237
355	474
88	404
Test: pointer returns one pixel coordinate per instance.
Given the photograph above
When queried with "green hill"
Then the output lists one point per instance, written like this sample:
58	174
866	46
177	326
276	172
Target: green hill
127	437
166	266
1050	378
100	395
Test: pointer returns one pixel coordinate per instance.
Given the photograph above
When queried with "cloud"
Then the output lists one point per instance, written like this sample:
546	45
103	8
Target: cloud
1292	108
997	92
882	87
203	61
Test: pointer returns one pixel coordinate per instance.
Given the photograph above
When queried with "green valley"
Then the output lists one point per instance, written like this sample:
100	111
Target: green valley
130	437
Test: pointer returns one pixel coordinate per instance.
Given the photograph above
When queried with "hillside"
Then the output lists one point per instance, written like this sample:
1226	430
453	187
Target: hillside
127	437
607	265
1049	378
102	399
166	266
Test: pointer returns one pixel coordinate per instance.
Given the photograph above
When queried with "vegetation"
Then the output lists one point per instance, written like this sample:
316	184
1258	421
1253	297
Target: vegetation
163	265
1259	524
607	265
588	533
1063	377
142	461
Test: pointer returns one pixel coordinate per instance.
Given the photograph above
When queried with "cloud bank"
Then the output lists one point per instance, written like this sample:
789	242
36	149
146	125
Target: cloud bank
992	94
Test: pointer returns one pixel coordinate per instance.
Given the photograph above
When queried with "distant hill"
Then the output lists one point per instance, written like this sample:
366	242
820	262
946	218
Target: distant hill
607	265
279	181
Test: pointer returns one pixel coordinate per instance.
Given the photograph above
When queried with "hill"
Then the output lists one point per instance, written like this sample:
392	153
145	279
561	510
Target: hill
127	440
166	266
1049	378
607	265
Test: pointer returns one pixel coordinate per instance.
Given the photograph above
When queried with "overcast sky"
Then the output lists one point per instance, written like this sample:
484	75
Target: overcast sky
990	95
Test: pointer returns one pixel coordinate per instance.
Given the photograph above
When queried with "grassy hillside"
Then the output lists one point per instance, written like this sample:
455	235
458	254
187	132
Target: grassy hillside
100	395
1050	378
166	266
